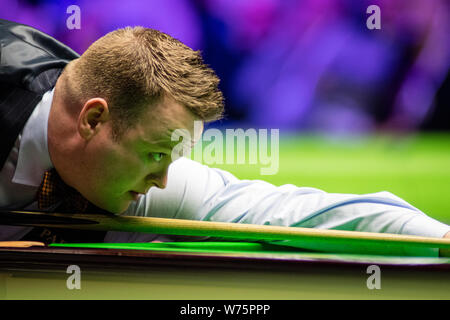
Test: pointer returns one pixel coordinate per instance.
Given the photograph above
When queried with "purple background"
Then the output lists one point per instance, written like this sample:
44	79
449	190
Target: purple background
293	65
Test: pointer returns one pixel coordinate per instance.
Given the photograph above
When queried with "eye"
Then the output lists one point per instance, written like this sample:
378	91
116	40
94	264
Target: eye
157	156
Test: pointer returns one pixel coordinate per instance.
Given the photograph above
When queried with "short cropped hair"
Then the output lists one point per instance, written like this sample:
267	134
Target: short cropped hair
134	67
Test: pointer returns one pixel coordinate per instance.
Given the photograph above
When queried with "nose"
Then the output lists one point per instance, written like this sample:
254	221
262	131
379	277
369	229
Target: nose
159	179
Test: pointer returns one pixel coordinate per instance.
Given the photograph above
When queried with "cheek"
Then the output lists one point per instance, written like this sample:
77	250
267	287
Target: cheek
121	171
114	170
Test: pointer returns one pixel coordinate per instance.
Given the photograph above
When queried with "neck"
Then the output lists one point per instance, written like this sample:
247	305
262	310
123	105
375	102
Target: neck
62	137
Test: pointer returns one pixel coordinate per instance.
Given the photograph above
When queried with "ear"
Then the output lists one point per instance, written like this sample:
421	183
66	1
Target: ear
93	115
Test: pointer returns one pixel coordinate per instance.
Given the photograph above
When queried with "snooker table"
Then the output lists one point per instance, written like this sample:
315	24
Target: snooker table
214	270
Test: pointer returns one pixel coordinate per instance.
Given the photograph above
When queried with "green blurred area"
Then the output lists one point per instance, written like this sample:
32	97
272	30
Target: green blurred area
413	167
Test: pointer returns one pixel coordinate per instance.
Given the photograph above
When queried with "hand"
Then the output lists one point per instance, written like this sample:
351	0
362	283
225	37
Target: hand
445	252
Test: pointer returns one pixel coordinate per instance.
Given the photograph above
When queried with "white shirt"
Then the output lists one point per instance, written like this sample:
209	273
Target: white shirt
197	192
24	168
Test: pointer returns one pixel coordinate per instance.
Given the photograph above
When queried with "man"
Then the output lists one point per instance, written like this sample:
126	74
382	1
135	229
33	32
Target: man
103	122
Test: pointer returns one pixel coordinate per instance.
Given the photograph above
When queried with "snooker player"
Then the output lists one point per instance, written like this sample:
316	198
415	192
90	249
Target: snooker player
93	133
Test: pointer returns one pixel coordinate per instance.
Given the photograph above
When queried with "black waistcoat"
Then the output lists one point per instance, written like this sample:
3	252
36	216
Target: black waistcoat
30	63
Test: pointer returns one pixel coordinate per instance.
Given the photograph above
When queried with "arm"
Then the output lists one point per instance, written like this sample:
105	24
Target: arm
197	192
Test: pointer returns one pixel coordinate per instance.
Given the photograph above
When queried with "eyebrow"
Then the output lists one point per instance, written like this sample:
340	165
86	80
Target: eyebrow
169	145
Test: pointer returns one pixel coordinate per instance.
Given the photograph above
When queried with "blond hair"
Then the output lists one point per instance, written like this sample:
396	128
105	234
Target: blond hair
134	67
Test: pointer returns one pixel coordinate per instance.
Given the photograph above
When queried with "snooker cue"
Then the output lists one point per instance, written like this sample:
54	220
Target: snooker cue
240	231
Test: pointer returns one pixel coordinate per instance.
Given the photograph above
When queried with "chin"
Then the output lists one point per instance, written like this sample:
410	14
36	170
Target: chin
113	204
119	208
115	208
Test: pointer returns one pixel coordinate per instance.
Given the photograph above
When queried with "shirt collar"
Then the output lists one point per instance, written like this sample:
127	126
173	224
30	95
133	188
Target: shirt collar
34	158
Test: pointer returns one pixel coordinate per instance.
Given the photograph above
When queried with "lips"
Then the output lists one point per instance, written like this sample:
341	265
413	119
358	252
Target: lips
135	195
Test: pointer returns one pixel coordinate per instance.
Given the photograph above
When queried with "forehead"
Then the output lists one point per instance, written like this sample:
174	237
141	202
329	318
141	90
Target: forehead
157	124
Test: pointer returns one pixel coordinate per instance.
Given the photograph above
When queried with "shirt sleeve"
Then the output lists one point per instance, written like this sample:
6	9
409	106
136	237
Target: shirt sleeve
197	192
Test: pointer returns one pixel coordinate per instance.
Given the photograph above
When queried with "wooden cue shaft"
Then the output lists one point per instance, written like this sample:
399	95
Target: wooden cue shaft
214	229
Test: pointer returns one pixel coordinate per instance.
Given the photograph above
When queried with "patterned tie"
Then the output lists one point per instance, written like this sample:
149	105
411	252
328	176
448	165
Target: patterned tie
53	190
54	195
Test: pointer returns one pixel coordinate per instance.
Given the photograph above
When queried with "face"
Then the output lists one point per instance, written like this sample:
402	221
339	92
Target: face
115	173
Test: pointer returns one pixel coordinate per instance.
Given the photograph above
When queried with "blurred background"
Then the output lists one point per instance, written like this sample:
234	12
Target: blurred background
358	110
